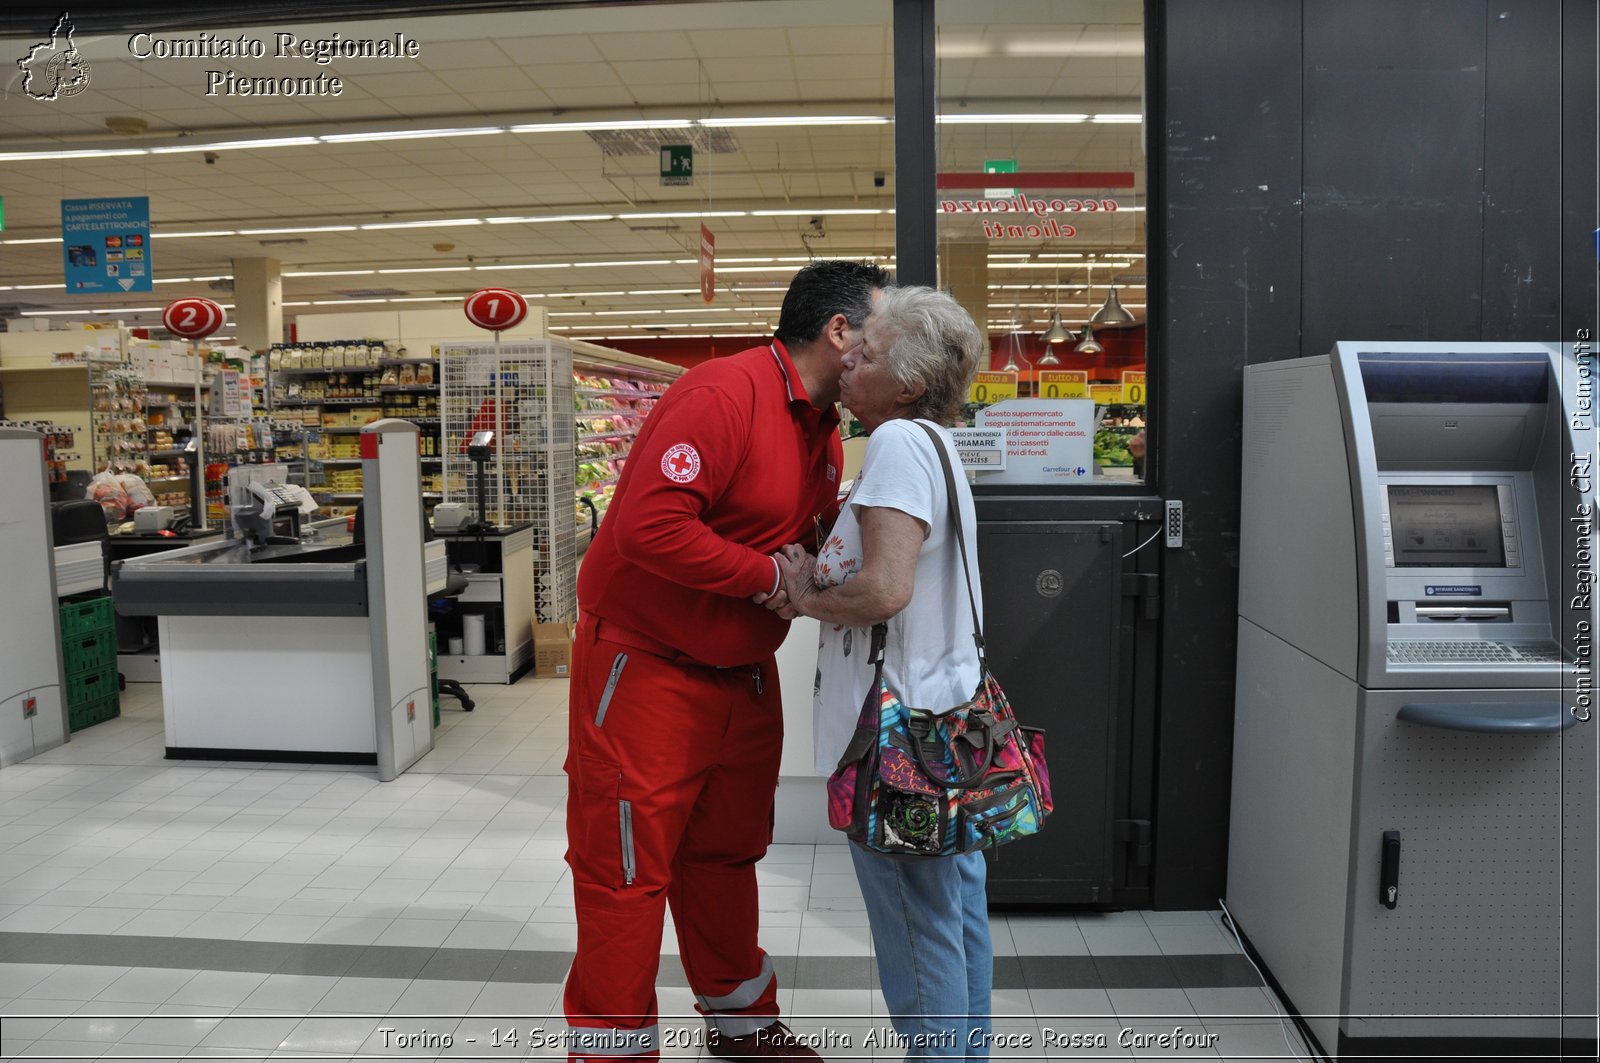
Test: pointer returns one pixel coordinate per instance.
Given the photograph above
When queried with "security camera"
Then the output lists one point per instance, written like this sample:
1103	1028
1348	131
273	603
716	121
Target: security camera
211	158
879	179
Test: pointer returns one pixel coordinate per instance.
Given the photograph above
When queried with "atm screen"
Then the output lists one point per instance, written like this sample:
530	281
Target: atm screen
1435	526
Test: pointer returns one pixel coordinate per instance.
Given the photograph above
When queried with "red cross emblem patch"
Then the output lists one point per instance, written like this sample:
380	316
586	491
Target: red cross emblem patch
681	463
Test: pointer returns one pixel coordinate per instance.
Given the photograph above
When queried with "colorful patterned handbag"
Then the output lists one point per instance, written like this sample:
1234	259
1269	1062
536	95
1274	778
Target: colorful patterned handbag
912	783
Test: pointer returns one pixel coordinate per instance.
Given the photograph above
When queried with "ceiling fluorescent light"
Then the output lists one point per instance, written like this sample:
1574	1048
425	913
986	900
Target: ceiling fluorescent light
585	127
237	145
35	240
526	265
797	120
823	211
536	219
684	214
333	273
1011	119
429	269
204	232
301	229
641	262
410	134
434	224
86	153
1105	119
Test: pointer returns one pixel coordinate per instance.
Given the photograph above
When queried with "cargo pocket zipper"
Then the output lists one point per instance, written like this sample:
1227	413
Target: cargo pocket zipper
625	817
611	688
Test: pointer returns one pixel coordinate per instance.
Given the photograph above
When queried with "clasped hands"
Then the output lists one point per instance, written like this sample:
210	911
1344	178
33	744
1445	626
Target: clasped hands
797	578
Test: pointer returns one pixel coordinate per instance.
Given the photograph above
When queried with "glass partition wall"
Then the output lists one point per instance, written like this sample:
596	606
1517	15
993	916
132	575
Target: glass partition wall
1041	226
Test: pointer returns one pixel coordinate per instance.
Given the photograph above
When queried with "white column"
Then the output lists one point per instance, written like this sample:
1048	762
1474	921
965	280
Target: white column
257	302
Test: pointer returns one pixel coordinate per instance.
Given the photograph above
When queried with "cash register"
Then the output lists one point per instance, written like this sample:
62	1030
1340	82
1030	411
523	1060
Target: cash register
265	513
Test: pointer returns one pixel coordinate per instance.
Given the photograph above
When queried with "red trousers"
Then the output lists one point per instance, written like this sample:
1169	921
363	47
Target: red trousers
671	771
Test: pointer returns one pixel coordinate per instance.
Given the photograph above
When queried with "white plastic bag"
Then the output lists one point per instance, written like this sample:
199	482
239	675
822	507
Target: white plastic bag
139	494
107	489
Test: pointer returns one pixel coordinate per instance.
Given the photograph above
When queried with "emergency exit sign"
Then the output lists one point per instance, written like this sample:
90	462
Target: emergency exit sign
677	164
999	166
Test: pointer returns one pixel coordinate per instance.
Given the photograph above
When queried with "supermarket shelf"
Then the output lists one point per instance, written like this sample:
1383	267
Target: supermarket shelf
302	403
301	370
412	389
408	361
615	393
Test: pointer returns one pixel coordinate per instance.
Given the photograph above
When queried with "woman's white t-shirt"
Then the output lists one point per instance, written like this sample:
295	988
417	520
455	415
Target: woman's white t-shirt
930	660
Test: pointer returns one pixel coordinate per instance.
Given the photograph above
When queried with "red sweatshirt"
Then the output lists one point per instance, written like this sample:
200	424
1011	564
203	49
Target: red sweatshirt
733	463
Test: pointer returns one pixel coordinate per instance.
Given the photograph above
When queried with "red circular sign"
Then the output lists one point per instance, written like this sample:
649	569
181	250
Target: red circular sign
495	309
193	318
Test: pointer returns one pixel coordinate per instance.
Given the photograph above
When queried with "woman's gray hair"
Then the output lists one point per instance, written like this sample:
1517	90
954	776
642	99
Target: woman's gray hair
935	345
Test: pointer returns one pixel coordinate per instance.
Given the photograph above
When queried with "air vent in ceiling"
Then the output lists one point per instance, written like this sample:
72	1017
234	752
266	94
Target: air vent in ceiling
651	141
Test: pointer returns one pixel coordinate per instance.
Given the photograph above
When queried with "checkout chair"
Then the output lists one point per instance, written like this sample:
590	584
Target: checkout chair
439	601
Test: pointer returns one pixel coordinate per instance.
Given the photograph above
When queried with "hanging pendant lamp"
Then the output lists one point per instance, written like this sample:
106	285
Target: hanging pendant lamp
1013	348
1089	345
1056	332
1112	313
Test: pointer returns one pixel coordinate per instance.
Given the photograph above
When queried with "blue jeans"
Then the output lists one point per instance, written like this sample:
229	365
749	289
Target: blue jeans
930	930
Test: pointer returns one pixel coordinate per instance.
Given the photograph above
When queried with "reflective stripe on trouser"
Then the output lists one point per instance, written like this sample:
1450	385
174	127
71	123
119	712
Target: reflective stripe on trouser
726	1014
610	1043
669	802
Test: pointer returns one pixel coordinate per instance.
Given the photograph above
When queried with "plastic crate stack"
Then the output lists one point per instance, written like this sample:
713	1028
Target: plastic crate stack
89	659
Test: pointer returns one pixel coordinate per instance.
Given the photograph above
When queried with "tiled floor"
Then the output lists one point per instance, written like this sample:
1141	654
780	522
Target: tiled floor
162	910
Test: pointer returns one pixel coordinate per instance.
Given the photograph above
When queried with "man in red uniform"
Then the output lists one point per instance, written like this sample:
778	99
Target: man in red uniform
676	725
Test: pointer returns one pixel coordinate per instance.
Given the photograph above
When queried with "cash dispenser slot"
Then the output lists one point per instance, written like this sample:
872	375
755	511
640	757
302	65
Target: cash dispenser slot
1476	612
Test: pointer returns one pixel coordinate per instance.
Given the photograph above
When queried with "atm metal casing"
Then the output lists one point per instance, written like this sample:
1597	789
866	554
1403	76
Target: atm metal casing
1409	685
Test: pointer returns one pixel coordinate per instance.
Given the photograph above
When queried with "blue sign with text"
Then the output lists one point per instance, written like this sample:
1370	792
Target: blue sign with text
105	245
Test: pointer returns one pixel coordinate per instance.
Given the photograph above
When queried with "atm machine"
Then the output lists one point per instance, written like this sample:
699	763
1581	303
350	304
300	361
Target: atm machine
1412	840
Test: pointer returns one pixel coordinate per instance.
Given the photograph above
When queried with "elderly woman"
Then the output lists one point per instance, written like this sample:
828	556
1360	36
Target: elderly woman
892	556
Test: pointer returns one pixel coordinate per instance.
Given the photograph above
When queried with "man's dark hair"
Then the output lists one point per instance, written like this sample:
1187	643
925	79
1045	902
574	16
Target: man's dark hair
822	289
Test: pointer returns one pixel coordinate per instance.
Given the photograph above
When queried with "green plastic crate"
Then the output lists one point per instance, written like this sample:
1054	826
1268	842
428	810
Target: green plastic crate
88	653
433	673
87	687
86	616
93	712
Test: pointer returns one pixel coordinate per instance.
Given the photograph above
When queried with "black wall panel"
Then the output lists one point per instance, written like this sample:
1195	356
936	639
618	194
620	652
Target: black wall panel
1579	166
1230	295
1521	218
1335	169
1393	171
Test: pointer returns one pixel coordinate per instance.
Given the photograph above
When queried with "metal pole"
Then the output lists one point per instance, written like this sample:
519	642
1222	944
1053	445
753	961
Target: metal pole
916	162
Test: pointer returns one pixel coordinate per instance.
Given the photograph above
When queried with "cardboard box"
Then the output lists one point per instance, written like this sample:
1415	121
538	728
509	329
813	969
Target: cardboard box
552	650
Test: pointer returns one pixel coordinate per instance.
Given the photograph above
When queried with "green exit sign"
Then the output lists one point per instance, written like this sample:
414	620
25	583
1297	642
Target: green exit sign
999	166
677	164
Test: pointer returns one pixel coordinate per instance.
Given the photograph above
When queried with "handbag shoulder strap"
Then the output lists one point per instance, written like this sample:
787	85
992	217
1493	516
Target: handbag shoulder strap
961	538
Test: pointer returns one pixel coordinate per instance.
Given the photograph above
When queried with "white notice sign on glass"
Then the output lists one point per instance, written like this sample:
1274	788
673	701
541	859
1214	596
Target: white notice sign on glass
1047	440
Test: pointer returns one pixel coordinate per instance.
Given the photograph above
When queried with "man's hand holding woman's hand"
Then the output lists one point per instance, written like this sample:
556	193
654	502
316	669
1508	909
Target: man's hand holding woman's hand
795	569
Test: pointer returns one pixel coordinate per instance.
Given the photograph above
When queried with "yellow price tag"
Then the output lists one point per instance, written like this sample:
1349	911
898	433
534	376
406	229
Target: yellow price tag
1063	383
993	387
1133	386
1105	394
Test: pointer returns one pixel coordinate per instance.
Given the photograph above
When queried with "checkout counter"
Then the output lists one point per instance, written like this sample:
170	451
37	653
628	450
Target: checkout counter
1412	846
278	645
